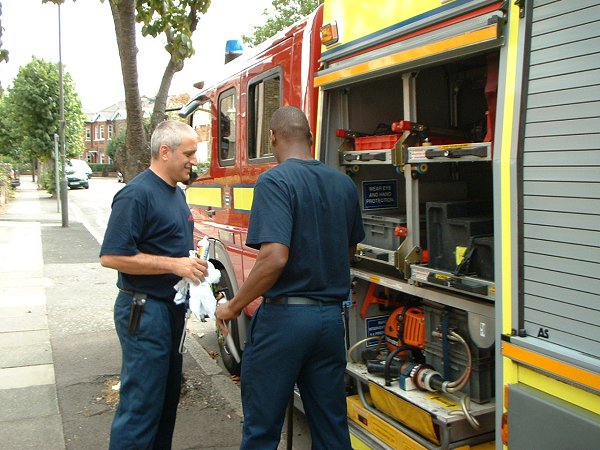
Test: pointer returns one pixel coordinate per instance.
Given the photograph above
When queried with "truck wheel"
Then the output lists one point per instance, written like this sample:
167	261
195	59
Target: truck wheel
232	366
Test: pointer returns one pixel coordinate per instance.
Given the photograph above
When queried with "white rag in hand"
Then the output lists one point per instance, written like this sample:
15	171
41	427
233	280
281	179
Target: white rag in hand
202	300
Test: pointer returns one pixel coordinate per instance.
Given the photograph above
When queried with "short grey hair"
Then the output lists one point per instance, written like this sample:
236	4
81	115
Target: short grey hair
169	133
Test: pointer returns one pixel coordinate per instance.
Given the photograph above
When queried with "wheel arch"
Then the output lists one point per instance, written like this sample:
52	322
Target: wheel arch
219	257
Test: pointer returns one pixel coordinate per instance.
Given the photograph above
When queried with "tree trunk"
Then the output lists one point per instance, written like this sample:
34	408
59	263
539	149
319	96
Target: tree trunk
160	102
137	155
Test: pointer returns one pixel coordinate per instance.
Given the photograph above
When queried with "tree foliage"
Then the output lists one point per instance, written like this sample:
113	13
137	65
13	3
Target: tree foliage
3	52
30	113
30	117
177	20
286	12
9	145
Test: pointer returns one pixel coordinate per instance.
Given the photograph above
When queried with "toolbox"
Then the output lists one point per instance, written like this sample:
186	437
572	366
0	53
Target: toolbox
451	227
482	260
380	230
383	142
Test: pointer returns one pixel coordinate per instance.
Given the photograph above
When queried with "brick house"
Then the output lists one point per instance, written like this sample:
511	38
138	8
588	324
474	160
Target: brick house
102	126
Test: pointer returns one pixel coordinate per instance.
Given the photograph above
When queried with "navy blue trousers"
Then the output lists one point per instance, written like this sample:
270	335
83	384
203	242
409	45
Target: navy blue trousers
151	372
287	345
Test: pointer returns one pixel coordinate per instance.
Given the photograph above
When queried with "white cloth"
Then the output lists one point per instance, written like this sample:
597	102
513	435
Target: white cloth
202	300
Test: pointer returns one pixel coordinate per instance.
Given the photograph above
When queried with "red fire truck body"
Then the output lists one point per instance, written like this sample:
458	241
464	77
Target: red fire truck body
470	130
231	116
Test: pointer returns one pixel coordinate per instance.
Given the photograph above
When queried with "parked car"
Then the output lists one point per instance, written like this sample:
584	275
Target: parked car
77	178
81	165
11	173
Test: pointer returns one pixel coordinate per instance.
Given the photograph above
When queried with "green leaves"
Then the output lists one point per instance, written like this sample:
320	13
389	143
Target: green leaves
286	13
176	19
31	112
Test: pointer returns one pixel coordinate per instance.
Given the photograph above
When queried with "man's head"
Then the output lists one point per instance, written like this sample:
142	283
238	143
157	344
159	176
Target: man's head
173	149
290	134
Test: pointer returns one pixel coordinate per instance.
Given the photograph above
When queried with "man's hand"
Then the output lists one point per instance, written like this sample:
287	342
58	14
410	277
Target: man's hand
270	262
224	314
193	268
144	264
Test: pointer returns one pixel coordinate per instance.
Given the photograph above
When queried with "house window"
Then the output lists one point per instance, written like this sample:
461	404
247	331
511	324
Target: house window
101	132
88	133
264	97
96	132
110	131
227	128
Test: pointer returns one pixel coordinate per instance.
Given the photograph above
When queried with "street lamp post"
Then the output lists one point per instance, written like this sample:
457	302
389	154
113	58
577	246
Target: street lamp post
63	179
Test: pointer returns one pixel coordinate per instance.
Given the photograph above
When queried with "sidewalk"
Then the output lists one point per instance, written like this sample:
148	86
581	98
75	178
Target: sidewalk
59	352
29	416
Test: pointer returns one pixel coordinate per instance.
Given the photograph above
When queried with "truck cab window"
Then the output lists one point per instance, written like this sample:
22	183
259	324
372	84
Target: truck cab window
227	128
263	99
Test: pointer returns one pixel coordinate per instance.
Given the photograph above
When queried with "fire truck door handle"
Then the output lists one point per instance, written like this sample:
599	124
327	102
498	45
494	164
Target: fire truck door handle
211	212
456	152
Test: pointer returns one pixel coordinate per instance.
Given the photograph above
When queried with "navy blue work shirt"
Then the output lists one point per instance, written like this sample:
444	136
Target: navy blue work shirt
149	216
313	210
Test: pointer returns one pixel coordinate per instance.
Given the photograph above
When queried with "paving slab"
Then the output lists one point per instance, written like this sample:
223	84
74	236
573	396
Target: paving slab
40	433
26	355
28	403
24	338
20	377
32	323
22	310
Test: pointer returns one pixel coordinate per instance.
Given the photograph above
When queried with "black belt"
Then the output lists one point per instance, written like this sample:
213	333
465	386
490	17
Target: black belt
135	294
299	301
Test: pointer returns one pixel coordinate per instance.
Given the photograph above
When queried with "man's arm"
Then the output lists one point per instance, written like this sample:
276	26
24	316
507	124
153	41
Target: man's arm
145	264
270	262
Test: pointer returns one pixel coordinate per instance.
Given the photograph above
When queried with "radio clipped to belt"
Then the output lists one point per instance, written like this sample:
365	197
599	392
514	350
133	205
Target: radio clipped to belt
137	307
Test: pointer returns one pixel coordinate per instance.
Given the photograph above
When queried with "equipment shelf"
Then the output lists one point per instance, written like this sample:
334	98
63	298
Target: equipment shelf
448	298
443	409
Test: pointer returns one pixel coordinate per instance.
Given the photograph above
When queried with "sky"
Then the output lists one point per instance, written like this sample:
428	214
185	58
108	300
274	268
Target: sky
89	47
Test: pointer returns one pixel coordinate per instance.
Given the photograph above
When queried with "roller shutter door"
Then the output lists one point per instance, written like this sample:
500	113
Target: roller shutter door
560	197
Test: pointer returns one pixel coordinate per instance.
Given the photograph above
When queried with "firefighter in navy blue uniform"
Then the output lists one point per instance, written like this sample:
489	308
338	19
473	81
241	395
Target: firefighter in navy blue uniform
305	222
148	238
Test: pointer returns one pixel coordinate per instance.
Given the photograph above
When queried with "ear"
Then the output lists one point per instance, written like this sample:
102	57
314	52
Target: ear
163	152
312	139
273	138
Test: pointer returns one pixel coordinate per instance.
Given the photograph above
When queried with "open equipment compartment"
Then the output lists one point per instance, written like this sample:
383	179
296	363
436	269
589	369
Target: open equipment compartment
419	144
448	147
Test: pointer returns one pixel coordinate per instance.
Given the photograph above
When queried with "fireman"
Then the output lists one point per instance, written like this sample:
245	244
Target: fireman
305	222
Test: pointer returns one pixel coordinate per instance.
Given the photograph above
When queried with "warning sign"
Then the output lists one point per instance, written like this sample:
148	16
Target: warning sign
380	194
374	327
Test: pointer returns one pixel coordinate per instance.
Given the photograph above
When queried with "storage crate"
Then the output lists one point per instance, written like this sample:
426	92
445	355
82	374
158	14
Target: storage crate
482	261
453	224
481	383
380	230
383	142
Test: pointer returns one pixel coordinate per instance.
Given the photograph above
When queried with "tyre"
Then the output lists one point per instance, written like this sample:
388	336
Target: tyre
232	366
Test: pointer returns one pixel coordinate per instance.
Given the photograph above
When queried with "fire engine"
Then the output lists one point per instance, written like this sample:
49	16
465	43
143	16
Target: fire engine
471	130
